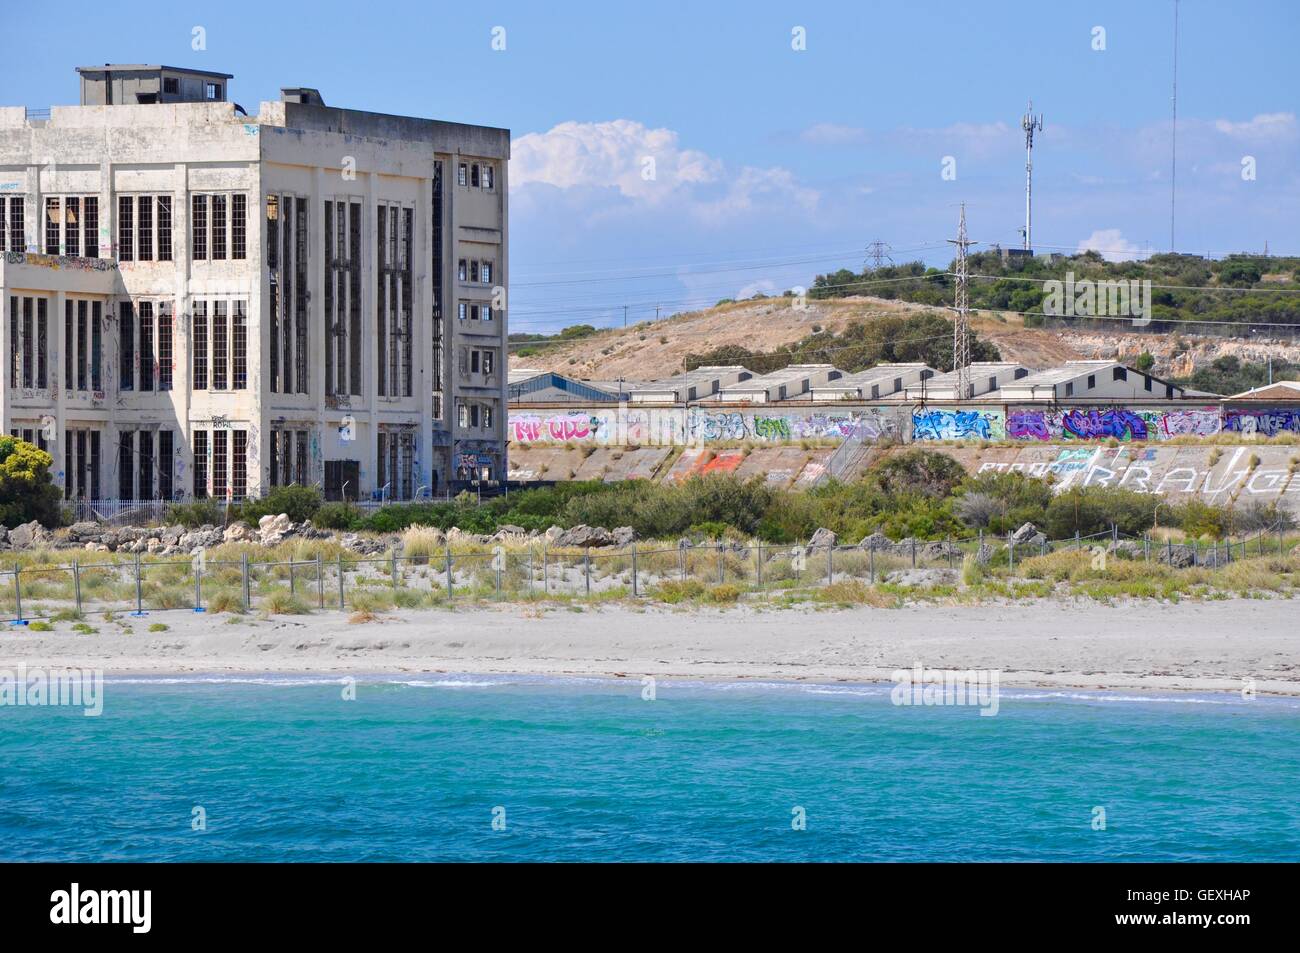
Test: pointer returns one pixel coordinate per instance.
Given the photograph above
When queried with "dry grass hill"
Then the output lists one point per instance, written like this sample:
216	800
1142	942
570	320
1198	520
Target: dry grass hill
657	349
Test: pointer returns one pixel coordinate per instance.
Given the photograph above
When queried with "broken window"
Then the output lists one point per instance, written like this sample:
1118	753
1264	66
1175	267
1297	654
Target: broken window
238	346
126	228
200	488
80	464
238	225
13	236
199	344
126	346
147	368
219	236
165	345
199	227
487	272
53	224
220	463
239	464
144	463
436	330
220	354
144	228
166	464
462	174
474	175
487	176
164	208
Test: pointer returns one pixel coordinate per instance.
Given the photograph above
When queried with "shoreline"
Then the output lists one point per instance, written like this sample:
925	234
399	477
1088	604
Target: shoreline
1203	647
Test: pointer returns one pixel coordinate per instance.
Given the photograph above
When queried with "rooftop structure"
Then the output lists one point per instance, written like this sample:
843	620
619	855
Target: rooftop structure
875	383
701	383
788	383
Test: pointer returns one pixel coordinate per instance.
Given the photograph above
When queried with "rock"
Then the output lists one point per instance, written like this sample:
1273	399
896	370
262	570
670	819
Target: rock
1180	556
940	551
624	535
308	531
239	532
171	535
509	529
922	577
204	538
1125	547
84	530
271	530
361	545
96	548
29	535
153	546
553	533
822	539
583	536
878	542
1026	534
984	555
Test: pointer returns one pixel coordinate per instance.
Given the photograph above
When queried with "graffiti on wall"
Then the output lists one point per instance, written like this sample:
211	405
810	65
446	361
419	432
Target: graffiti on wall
1117	423
556	428
711	426
946	424
1267	422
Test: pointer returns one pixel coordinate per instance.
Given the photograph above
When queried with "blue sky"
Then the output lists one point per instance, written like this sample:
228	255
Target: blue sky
772	164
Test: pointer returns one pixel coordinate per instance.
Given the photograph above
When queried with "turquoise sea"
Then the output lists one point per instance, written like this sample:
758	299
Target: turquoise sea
418	768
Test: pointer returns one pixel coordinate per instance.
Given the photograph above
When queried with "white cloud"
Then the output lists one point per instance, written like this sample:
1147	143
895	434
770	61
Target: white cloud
610	155
649	168
1111	245
1265	126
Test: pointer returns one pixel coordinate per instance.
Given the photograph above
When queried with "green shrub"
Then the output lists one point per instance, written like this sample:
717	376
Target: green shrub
340	516
195	513
27	491
40	626
299	503
1092	509
928	472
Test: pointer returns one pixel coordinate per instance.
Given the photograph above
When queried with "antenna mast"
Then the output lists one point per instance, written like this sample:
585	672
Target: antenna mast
1030	124
961	302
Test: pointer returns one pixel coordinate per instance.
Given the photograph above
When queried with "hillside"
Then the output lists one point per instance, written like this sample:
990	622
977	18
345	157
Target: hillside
656	349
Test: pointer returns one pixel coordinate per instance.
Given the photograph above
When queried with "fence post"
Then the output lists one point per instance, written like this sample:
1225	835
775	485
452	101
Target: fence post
913	552
248	601
139	588
546	571
1011	553
871	565
1279	538
722	569
342	605
1078	541
76	585
450	581
634	592
1169	550
586	568
394	569
1196	552
198	587
681	559
758	551
1146	545
500	565
18	597
320	582
293	581
1114	532
530	570
948	547
830	563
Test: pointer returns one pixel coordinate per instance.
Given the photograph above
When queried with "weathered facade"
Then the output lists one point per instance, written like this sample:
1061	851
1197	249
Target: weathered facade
199	302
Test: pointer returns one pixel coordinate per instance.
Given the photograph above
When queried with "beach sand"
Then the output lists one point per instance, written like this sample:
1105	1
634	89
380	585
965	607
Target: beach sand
1212	646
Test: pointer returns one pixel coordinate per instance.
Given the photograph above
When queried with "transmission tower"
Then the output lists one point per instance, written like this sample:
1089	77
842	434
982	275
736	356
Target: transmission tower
878	254
1030	124
961	308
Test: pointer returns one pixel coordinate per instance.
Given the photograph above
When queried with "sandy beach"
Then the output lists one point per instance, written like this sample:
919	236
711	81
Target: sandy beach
1215	646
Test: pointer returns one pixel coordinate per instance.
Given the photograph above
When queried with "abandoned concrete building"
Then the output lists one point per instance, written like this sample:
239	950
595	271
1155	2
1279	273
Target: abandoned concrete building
200	302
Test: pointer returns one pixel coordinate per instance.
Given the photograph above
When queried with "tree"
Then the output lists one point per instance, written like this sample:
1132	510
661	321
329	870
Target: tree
1145	361
27	491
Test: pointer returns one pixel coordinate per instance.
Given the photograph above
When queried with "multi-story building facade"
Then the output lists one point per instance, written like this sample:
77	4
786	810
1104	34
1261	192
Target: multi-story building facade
198	302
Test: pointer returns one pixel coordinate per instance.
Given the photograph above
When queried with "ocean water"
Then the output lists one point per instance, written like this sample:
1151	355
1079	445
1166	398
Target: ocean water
418	768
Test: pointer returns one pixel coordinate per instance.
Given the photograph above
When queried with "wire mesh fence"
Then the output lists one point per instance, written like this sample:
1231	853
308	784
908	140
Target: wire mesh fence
357	583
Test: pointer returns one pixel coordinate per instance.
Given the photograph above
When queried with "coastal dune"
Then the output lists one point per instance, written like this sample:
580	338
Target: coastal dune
1215	646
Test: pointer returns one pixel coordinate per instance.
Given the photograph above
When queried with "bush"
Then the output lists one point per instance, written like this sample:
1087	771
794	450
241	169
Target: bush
341	516
1092	509
299	503
195	513
928	472
1197	518
27	491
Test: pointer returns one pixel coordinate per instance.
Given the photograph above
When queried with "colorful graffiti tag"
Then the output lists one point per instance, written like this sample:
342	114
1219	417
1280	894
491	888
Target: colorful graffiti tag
1267	422
712	426
528	428
1109	423
958	425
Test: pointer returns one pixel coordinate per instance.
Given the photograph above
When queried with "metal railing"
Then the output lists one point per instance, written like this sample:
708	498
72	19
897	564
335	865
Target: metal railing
716	571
